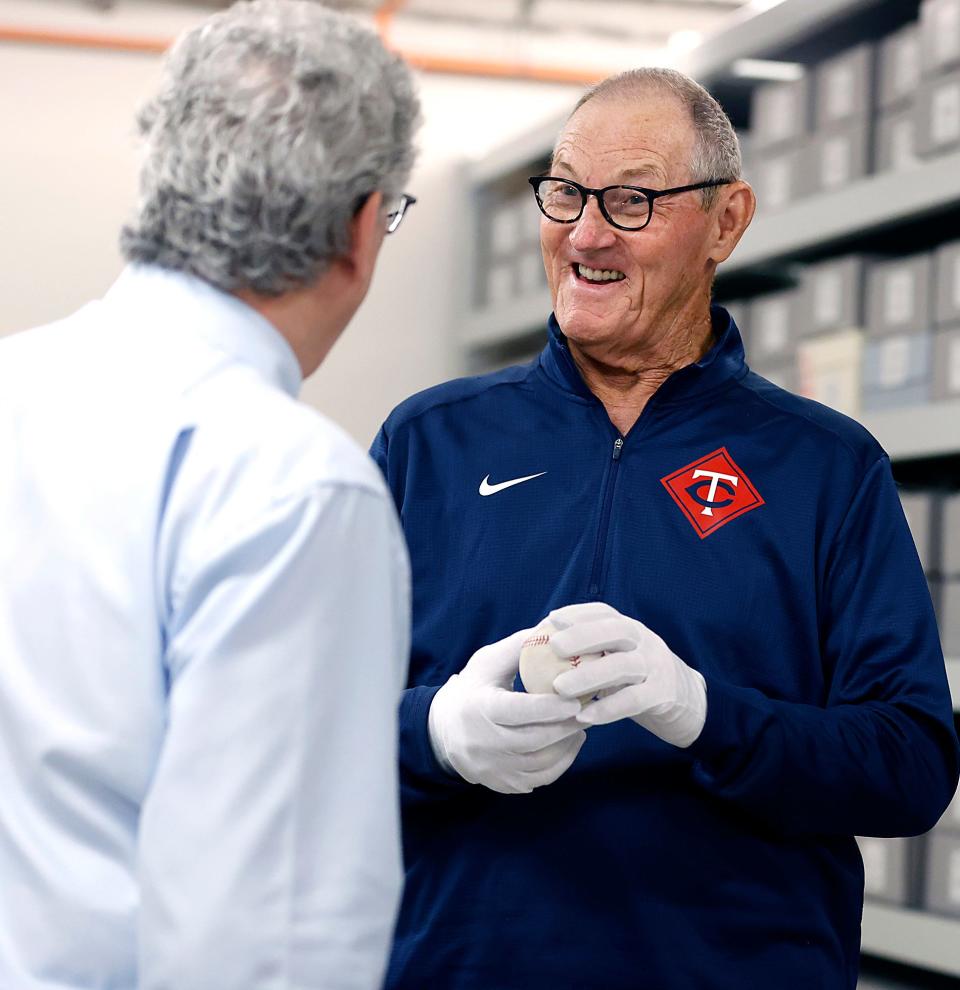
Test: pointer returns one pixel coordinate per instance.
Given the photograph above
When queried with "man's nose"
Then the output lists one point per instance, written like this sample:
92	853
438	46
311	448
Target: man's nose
592	231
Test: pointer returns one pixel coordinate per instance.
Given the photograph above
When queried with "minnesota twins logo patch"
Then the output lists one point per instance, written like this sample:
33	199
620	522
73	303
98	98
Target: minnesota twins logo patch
711	492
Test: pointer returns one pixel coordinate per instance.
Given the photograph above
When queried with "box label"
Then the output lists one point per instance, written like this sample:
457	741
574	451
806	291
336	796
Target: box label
946	32
778	182
835	164
902	144
898	289
501	284
894	369
781	112
772	333
840	84
945	114
504	230
906	66
827	298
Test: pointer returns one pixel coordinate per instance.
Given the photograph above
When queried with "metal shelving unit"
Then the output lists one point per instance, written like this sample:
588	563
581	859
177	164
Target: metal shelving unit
912	937
771	33
920	431
822	223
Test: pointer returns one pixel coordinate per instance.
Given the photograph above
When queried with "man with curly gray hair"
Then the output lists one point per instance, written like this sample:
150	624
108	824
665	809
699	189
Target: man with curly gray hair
204	590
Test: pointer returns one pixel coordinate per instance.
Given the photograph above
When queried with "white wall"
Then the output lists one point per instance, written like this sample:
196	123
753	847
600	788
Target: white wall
404	337
68	181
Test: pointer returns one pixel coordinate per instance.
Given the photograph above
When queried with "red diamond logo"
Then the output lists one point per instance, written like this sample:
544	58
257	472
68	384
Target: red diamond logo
712	492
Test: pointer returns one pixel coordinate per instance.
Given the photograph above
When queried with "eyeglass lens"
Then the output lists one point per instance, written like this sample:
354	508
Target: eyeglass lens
563	202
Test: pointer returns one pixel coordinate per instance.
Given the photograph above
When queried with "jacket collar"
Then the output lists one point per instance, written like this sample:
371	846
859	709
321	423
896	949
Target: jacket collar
722	363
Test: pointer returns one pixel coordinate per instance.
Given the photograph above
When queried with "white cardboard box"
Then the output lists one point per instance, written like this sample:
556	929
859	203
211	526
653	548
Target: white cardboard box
897	371
950	548
899	294
895	140
942	880
919	507
772	327
947	279
833	294
938	115
939	35
843	87
838	157
946	364
779	112
828	369
898	68
887	869
779	178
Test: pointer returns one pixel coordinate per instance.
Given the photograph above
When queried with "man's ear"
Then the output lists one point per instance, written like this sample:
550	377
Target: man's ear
734	213
366	235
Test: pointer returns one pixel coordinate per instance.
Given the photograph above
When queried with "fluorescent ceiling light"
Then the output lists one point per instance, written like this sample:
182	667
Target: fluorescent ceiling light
758	68
684	41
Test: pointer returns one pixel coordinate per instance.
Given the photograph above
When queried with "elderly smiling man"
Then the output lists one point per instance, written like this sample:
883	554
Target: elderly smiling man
773	683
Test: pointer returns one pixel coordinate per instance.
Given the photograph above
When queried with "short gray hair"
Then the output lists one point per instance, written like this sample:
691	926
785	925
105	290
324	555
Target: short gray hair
274	120
716	151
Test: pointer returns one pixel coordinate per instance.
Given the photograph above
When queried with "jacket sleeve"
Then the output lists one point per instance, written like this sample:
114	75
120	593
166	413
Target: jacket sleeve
422	779
880	756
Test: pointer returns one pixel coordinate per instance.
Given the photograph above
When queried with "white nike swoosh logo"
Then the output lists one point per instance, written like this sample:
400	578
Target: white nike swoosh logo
487	489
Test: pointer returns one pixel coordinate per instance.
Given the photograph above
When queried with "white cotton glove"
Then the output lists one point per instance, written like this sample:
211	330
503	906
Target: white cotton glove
639	678
490	734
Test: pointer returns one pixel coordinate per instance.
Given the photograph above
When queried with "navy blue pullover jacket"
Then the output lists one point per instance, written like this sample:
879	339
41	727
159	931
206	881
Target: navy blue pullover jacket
799	597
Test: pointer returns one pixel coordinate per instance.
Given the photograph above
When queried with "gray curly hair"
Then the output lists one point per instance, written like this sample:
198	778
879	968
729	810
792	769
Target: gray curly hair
716	152
274	120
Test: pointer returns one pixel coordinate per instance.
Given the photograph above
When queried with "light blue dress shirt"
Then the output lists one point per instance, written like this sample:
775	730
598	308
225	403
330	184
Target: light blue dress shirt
204	599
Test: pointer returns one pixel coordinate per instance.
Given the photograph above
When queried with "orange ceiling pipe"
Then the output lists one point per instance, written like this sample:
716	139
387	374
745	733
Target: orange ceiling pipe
502	70
427	63
83	39
383	18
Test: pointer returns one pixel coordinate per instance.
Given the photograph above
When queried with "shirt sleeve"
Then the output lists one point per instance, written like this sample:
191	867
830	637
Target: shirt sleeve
269	839
880	757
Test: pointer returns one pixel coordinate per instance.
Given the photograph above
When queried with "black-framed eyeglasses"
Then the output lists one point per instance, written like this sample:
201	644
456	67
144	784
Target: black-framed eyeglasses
394	217
625	207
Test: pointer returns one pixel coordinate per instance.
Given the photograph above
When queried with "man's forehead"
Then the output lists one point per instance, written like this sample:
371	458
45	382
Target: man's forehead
626	164
650	134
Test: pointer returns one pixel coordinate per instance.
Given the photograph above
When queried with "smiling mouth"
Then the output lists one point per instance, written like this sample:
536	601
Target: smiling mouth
597	276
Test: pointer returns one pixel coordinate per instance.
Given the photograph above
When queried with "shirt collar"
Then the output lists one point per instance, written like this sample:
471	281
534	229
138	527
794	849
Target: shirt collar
724	361
182	301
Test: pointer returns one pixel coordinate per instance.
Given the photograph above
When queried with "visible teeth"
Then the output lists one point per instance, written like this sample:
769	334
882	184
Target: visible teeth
600	274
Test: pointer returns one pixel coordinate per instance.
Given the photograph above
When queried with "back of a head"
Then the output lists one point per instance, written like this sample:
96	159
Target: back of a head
716	151
274	120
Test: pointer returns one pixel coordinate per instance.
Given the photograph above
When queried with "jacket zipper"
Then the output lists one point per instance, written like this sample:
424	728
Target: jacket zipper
594	587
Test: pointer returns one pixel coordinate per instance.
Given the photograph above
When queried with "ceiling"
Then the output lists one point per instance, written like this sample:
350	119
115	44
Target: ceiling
574	41
582	38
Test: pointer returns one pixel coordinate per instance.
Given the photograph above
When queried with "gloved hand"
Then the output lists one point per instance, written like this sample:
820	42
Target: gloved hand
640	678
490	734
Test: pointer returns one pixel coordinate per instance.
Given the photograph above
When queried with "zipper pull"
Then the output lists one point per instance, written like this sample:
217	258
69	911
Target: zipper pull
617	448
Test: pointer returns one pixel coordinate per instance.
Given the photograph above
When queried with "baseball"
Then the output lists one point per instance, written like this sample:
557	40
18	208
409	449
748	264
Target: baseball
539	665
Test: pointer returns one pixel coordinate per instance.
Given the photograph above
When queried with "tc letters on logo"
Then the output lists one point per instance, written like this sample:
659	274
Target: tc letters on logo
712	492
